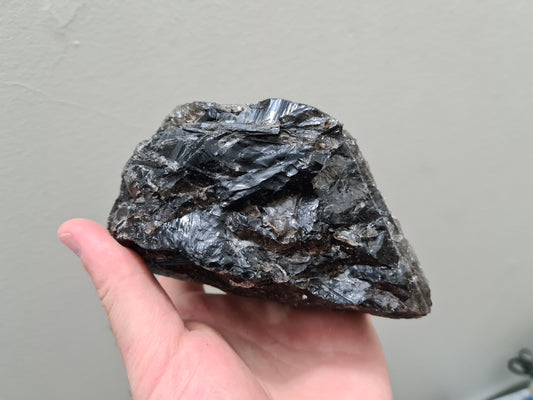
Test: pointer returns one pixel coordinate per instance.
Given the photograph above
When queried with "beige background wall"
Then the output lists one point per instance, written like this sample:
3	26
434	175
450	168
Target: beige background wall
439	96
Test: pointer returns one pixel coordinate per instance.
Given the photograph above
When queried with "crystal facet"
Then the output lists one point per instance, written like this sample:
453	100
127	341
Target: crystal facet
270	200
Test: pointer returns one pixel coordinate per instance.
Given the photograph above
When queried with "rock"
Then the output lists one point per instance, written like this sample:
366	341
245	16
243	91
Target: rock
271	200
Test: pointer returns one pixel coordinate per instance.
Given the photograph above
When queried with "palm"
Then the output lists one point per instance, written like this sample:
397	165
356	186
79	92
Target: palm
178	342
265	350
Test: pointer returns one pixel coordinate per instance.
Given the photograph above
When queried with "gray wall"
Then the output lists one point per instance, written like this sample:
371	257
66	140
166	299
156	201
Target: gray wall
438	95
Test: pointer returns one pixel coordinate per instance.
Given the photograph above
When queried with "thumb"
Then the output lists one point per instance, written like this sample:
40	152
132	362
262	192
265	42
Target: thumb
137	306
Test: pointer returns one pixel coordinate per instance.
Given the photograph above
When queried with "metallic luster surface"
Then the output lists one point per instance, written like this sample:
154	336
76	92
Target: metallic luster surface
271	200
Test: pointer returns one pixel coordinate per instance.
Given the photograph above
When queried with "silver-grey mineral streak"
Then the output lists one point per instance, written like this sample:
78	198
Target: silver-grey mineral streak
270	200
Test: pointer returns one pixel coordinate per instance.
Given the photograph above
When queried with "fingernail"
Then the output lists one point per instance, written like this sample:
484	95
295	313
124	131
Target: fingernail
68	240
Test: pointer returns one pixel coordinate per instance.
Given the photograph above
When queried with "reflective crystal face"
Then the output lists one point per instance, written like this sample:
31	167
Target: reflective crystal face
271	200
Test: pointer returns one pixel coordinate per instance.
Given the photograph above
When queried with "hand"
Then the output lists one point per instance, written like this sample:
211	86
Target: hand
178	342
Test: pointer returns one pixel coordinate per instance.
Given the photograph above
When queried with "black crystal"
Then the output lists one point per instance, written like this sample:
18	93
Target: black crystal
270	200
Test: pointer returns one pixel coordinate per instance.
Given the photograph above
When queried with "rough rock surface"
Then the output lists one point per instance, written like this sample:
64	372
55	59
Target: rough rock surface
270	200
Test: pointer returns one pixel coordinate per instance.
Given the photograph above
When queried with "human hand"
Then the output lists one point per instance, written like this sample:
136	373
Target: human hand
178	342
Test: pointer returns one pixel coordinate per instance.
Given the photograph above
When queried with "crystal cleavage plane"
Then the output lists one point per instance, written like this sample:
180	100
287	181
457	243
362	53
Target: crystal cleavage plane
270	200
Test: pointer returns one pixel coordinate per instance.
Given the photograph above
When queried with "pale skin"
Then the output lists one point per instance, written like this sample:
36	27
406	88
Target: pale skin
178	342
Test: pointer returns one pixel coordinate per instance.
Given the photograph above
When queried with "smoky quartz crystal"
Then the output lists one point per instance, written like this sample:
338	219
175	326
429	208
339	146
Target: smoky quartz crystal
271	200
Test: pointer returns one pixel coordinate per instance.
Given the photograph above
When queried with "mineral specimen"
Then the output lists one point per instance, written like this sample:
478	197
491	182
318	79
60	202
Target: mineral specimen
270	200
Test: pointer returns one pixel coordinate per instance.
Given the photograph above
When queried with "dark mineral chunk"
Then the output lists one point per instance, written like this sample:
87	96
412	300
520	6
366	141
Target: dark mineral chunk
270	200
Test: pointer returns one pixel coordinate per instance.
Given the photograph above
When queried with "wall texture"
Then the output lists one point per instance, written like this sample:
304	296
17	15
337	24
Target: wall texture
438	95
